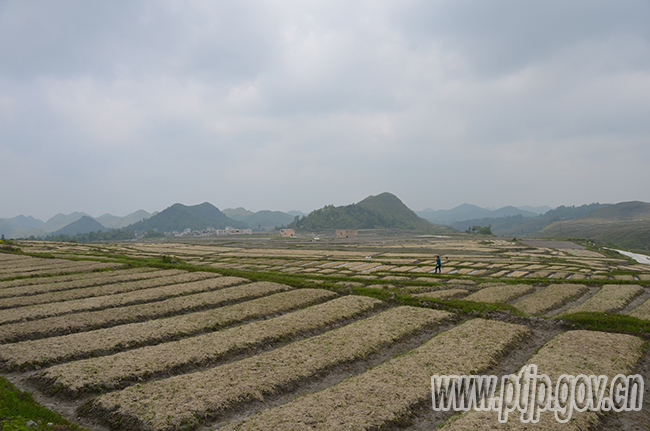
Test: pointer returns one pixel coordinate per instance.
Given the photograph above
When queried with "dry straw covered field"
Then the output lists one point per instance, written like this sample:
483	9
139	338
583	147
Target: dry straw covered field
291	335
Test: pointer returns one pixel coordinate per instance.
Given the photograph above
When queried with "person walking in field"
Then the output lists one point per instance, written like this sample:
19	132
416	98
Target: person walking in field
438	269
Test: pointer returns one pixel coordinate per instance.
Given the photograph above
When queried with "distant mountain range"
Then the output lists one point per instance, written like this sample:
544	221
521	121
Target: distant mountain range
518	225
626	224
384	211
469	212
23	227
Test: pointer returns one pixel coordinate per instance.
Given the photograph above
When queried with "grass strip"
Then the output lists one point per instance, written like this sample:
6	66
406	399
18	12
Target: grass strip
611	297
18	407
182	401
106	283
391	393
153	290
553	296
500	293
117	371
610	322
573	352
35	353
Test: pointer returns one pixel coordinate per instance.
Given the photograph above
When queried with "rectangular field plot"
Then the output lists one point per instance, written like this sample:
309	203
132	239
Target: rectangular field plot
33	266
28	354
179	401
611	297
553	296
389	393
500	293
641	311
441	294
181	284
111	372
573	352
76	322
517	274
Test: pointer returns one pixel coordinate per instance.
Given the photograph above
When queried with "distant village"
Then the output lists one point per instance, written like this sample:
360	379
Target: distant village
289	233
211	232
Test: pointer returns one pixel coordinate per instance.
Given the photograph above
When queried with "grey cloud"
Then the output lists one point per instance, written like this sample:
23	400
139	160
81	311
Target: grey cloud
292	104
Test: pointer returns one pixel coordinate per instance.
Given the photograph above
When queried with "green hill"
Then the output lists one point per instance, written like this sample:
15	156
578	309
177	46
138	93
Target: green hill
84	225
239	213
626	224
624	211
384	211
267	218
61	220
117	222
260	219
179	217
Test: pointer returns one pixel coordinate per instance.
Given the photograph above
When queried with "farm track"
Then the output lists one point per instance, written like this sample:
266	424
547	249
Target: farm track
117	371
109	284
179	401
86	321
153	290
37	353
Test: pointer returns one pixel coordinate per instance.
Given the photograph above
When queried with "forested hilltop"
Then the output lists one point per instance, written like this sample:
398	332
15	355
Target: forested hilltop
384	211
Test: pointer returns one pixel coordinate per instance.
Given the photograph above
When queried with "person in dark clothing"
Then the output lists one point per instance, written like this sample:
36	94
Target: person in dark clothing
438	269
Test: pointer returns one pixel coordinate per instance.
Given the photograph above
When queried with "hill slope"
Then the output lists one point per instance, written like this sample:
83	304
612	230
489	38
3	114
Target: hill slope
267	218
518	225
239	213
470	212
384	211
84	225
179	217
260	219
61	220
626	224
117	222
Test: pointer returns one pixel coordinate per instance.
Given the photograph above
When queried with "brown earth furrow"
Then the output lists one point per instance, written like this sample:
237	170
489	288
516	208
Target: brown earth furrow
388	394
152	290
117	371
182	400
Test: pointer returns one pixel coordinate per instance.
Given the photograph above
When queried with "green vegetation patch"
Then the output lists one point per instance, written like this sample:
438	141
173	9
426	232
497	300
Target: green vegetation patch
609	322
17	408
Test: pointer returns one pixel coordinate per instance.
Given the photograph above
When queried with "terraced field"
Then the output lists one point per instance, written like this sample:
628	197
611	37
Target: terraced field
238	337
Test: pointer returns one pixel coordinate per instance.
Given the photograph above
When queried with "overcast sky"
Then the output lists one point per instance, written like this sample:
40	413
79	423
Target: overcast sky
113	106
